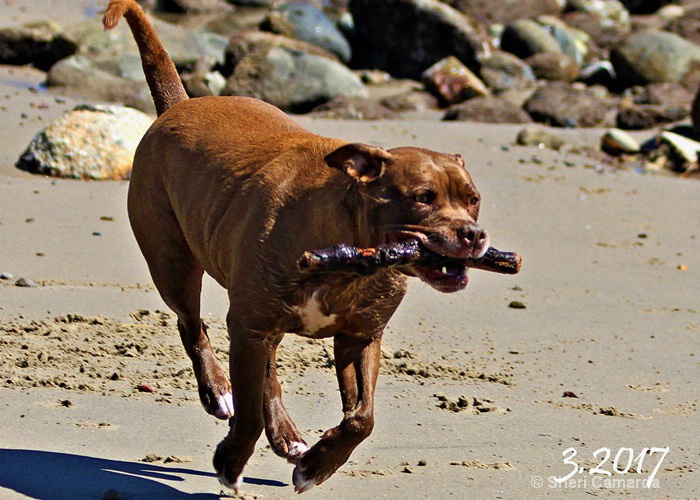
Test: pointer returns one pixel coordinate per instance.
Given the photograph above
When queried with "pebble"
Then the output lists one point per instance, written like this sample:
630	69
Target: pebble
6	276
617	142
25	283
516	304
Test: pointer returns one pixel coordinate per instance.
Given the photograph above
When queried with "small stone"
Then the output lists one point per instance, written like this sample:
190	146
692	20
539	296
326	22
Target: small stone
97	233
616	142
6	276
67	403
682	267
144	388
452	82
569	394
537	136
516	304
407	470
25	283
422	463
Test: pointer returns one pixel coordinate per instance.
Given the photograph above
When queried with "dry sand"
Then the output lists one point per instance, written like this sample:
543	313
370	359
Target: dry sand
471	399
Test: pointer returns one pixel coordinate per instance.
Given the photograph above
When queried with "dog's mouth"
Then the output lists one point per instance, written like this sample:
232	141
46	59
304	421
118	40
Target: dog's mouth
444	274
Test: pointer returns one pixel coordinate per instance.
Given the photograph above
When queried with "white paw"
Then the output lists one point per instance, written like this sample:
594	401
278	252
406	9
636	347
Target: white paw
235	486
296	450
225	406
301	483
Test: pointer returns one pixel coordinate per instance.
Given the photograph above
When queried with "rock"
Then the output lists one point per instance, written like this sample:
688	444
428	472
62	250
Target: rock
373	76
349	108
452	82
6	276
667	95
688	25
539	137
685	149
305	22
553	66
671	12
203	82
292	80
654	56
192	6
573	42
598	73
486	12
244	43
607	22
644	6
695	114
184	46
655	104
38	44
491	109
410	100
405	37
525	37
561	105
79	77
503	70
25	283
89	142
616	142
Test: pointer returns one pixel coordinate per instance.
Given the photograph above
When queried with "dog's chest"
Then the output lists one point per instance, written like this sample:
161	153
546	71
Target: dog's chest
356	307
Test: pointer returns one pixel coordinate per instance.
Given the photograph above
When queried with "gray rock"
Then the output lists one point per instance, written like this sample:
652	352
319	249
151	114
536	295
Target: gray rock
410	100
533	135
688	25
490	109
553	66
503	71
562	105
292	80
89	142
79	77
202	82
685	149
305	22
25	283
405	37
652	57
607	22
526	37
184	46
246	42
353	108
39	44
633	116
6	276
452	82
487	12
573	42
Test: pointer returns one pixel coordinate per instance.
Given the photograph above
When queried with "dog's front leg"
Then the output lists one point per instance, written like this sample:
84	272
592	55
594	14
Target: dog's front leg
281	432
248	360
357	366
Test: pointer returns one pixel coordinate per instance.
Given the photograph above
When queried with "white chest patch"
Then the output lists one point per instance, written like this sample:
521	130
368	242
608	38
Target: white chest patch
312	317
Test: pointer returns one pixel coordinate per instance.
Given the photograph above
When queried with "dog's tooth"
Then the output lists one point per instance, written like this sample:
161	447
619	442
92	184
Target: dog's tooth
444	269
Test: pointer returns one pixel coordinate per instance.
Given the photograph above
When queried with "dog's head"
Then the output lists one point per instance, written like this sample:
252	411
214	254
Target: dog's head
412	193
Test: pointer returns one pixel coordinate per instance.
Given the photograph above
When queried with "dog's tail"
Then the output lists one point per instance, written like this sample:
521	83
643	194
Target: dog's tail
161	75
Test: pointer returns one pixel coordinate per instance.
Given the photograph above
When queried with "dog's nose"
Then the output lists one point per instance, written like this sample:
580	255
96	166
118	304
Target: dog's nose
473	236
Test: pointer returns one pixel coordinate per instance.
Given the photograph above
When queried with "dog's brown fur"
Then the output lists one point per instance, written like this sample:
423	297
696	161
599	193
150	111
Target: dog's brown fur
232	187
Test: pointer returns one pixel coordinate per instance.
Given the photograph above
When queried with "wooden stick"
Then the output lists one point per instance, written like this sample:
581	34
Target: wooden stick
365	261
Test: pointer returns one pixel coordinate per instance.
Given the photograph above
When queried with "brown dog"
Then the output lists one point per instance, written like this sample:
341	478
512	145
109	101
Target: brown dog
232	187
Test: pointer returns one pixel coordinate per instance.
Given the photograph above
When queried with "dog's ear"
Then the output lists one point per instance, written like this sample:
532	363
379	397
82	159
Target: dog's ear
360	161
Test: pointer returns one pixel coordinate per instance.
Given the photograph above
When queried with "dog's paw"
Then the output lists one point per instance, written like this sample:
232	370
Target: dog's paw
296	450
301	482
217	402
235	485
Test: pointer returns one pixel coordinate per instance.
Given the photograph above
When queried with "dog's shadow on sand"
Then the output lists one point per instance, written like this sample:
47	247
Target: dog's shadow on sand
45	474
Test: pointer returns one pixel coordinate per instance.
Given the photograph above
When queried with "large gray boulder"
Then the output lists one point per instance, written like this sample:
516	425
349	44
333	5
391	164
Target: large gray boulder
89	142
292	80
654	57
406	37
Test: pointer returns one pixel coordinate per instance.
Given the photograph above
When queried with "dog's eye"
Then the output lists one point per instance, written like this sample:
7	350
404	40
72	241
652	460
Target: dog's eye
474	200
424	197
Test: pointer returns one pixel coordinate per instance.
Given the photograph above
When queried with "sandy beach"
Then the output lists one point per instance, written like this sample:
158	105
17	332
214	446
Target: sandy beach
476	398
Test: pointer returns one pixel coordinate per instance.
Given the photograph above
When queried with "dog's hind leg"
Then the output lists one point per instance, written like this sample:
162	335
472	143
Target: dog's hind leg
178	277
281	432
357	367
248	360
